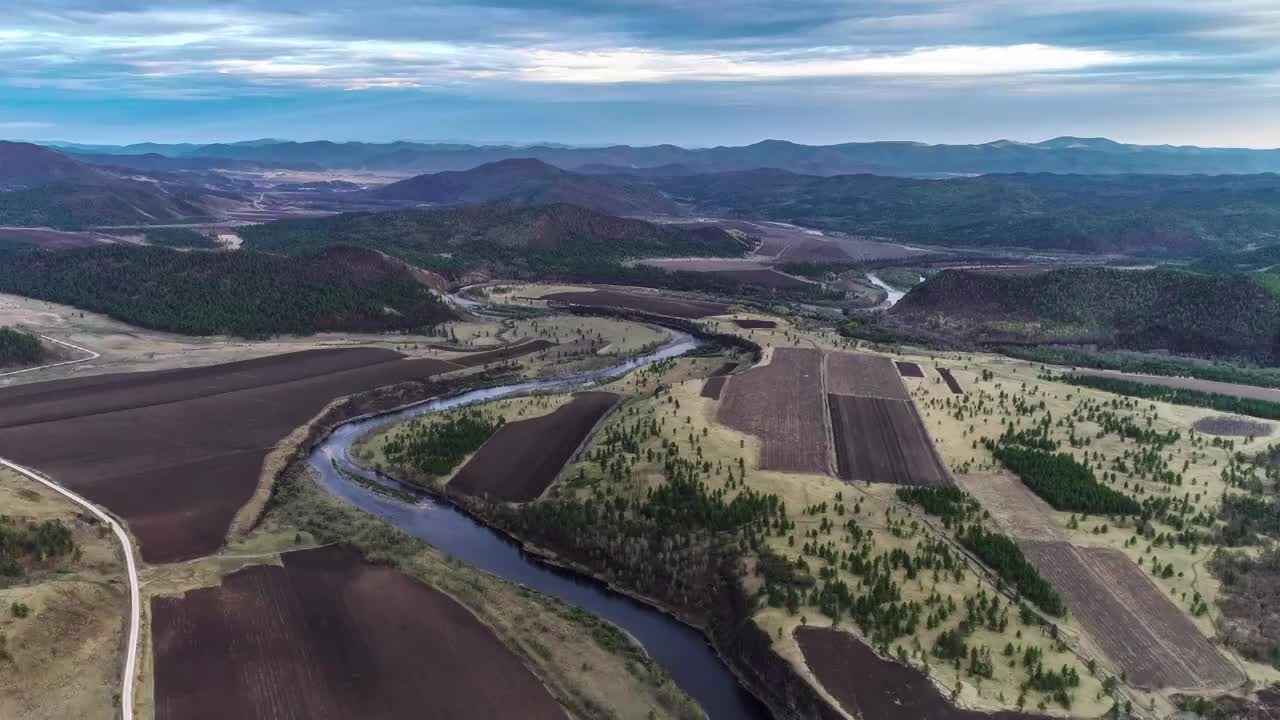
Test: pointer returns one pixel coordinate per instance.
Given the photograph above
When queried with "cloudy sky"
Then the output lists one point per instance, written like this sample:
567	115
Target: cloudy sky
691	72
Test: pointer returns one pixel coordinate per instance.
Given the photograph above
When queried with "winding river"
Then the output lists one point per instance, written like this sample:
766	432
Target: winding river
679	649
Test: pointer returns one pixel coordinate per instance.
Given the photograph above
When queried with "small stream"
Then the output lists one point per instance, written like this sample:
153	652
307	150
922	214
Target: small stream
682	651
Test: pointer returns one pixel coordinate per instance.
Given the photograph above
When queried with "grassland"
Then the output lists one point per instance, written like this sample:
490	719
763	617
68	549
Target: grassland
62	622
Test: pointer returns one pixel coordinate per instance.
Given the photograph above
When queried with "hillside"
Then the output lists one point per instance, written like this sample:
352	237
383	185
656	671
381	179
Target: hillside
25	165
497	238
1059	155
1212	315
72	206
240	293
1140	215
529	182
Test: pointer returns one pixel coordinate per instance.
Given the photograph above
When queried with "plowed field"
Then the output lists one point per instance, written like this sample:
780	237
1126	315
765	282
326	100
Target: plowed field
524	457
950	380
781	403
1130	619
872	688
328	636
909	369
644	302
864	375
881	440
177	453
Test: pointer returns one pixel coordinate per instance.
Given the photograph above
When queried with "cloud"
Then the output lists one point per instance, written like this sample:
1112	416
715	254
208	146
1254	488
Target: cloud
16	125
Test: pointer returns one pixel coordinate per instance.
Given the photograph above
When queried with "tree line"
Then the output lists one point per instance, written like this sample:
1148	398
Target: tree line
242	293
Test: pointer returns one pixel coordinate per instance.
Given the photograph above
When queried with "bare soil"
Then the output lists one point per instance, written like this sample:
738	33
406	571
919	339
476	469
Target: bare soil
782	404
873	688
1231	426
909	369
329	636
950	380
1127	616
644	302
177	453
880	440
755	324
864	375
524	457
714	384
765	278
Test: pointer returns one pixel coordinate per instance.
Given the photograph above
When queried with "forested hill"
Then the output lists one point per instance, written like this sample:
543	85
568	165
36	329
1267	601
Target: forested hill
497	238
530	182
237	293
1212	315
73	206
1152	215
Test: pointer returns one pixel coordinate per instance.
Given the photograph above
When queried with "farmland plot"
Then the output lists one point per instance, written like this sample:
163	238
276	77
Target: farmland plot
781	403
1130	619
329	636
873	688
524	457
864	375
950	380
909	369
880	440
714	385
644	302
178	453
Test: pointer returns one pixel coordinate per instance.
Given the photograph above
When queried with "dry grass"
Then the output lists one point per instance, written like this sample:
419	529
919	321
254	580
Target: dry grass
67	653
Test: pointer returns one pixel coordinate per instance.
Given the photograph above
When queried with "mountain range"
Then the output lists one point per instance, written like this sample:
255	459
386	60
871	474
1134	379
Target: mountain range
1059	155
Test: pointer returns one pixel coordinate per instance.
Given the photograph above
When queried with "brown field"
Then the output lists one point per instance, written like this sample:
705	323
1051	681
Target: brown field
781	403
644	302
476	359
524	457
177	453
329	636
714	385
1209	386
873	688
864	375
1130	619
909	369
755	324
950	380
765	278
1232	426
1020	513
880	440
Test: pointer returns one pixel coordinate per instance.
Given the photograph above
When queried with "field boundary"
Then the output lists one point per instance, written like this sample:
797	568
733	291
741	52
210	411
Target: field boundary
92	356
135	601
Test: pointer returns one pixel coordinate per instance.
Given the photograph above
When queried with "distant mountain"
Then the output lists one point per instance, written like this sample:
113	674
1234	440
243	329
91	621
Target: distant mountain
25	165
1214	315
1162	216
527	181
496	238
1094	156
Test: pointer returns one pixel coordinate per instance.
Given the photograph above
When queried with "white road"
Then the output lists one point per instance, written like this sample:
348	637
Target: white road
91	356
135	602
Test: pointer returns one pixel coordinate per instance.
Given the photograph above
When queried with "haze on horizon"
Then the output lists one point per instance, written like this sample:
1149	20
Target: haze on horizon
693	73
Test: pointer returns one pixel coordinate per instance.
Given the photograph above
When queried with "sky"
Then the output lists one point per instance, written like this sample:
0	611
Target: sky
688	72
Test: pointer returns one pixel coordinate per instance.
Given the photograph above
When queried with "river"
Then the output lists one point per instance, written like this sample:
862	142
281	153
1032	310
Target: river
679	649
893	295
